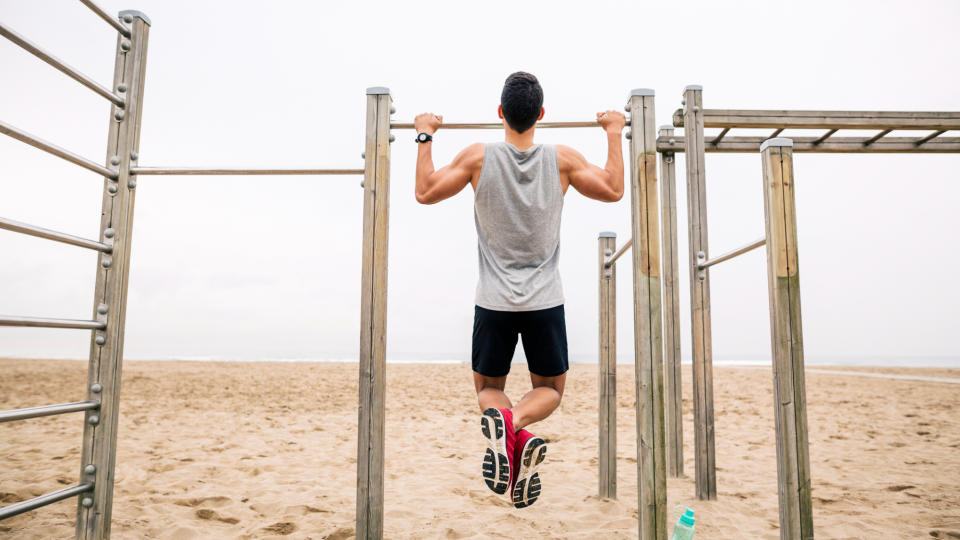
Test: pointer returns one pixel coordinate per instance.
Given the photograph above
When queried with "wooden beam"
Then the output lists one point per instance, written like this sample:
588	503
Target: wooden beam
833	145
669	265
99	447
786	338
607	425
373	316
734	118
702	348
647	318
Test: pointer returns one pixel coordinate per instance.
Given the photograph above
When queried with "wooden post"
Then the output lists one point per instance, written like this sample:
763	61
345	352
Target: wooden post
786	338
373	316
608	368
702	349
99	452
648	330
673	390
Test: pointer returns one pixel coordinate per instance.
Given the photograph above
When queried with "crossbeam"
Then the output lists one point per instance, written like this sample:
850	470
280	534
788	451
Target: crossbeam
735	118
499	125
703	264
44	500
106	16
47	410
833	145
40	232
51	148
38	322
60	65
196	171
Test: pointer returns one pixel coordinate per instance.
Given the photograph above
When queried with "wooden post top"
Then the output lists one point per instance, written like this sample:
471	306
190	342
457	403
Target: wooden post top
776	141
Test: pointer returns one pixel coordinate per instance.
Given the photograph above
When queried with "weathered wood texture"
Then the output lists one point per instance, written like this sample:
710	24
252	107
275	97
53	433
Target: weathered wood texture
702	348
373	316
647	316
608	368
110	293
732	118
786	338
833	145
673	403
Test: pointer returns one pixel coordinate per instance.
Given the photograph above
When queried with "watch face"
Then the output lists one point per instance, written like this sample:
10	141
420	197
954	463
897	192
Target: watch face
422	137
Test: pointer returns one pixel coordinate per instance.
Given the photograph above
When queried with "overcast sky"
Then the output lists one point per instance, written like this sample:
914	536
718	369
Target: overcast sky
269	267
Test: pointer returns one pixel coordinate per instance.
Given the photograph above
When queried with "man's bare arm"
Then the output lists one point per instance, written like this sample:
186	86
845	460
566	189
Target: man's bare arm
604	184
433	186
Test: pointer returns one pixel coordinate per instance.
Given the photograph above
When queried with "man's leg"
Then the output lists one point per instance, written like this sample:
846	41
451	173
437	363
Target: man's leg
490	392
540	402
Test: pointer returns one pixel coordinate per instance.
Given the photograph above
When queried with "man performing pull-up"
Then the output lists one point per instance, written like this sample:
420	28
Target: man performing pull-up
518	197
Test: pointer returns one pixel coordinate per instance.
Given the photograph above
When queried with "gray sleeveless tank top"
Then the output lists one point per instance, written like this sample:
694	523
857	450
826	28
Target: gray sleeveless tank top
517	210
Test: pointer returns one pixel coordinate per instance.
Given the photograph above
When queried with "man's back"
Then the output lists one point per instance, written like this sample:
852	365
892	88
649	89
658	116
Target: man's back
517	207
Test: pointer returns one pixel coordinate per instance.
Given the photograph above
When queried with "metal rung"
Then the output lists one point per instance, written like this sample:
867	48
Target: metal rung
174	171
44	500
10	320
499	125
105	16
37	142
60	65
877	137
623	249
729	255
47	410
824	137
930	137
40	232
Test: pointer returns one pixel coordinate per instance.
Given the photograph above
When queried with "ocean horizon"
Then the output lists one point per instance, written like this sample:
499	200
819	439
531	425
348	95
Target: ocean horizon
731	360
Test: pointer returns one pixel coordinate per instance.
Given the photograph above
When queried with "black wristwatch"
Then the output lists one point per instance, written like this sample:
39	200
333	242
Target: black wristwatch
423	137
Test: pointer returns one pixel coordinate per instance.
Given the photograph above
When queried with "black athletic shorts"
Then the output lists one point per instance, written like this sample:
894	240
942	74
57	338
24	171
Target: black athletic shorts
544	335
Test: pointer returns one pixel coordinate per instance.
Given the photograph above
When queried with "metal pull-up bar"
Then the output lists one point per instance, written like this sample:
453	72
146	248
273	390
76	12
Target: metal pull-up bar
40	232
499	125
106	17
703	264
61	65
38	322
51	148
623	249
196	171
44	500
47	410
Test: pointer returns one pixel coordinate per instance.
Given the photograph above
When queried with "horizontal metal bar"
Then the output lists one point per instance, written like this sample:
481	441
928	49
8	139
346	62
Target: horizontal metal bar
731	254
499	125
38	322
43	500
930	137
877	137
721	118
835	145
59	64
47	410
824	137
171	171
105	16
51	148
623	249
39	232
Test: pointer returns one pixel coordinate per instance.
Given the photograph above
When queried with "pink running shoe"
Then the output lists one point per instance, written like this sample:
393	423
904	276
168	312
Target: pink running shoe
497	428
530	452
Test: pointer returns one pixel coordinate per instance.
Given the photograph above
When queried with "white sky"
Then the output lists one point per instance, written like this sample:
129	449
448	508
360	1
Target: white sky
269	267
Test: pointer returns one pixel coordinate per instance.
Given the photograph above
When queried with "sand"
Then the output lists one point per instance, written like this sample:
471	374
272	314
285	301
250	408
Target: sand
258	450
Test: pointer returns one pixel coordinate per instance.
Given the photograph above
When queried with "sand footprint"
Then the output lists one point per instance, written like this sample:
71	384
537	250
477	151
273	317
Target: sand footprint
282	528
208	514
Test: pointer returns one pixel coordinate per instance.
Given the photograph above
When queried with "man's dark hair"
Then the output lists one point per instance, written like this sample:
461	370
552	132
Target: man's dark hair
521	99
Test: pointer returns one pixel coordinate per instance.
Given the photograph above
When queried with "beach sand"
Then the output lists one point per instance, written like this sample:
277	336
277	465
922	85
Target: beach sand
260	450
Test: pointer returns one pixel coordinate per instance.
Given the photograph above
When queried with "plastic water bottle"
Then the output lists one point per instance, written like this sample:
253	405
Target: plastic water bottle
683	530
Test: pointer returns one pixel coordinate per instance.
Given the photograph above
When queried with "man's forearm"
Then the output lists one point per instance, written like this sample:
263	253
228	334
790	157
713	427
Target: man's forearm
615	157
424	165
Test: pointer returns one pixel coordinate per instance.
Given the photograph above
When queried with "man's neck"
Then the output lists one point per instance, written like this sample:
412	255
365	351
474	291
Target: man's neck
523	141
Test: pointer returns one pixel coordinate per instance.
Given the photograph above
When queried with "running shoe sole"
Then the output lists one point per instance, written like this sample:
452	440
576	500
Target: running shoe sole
496	466
527	488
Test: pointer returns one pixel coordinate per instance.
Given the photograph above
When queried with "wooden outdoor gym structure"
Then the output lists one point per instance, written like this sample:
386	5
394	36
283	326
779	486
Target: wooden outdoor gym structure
656	330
